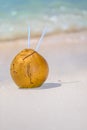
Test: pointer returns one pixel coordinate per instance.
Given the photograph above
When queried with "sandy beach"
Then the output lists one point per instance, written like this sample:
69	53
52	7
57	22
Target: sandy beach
61	102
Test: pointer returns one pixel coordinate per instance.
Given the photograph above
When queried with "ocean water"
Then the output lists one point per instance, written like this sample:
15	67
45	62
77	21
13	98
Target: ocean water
57	15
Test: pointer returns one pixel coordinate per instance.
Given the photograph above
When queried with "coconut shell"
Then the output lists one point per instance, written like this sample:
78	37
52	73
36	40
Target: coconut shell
29	69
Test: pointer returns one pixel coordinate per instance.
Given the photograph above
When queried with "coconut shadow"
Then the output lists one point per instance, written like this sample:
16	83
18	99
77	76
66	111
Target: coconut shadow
50	85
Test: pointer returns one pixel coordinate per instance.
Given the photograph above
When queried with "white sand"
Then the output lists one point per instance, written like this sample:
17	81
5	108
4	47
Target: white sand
61	103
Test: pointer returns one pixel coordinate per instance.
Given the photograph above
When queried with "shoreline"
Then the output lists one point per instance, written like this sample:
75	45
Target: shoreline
56	41
56	33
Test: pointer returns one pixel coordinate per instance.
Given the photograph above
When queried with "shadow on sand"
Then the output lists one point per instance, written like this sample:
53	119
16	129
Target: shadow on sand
50	85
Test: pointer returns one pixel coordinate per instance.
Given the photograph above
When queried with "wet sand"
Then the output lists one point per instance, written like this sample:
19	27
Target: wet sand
61	102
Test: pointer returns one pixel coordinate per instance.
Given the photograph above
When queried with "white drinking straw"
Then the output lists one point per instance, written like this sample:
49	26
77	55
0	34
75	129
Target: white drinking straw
28	37
41	38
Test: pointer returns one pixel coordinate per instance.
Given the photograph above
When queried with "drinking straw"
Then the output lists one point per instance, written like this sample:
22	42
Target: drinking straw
28	37
41	38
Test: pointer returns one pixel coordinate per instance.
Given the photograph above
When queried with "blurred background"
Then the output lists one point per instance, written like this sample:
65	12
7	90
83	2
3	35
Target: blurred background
58	15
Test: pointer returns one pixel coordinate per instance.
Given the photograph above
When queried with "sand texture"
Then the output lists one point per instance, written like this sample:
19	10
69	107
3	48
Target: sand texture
61	102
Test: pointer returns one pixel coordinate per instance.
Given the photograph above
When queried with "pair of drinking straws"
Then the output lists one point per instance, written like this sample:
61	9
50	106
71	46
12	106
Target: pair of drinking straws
41	38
